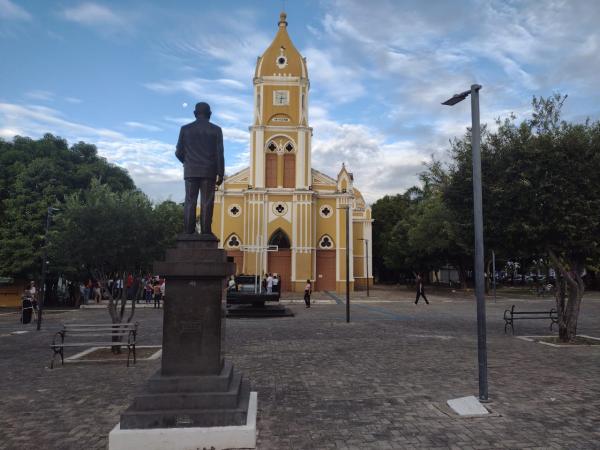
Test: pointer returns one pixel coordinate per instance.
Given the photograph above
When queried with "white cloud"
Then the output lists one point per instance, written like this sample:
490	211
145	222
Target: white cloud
150	162
236	135
227	103
143	126
95	15
38	94
379	167
9	10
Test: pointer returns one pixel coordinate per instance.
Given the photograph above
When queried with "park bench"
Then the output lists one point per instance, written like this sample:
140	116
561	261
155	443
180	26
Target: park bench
510	315
104	335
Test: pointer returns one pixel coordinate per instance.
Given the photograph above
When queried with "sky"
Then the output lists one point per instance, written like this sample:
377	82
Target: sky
124	75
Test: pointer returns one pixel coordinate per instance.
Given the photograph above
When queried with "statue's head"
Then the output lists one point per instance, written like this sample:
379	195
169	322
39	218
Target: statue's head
202	110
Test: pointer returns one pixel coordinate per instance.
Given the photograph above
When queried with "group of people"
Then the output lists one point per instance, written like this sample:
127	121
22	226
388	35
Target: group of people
147	288
271	283
154	290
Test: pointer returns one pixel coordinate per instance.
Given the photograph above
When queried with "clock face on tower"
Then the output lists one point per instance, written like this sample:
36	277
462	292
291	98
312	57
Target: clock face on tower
281	97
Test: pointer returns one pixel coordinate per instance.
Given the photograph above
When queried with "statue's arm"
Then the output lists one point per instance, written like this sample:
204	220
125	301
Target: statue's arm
180	151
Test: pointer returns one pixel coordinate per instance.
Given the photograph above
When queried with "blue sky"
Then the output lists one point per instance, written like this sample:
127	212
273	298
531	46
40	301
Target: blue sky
119	74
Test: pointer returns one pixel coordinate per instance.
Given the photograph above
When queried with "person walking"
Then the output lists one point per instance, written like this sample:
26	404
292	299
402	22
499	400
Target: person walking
270	284
148	289
276	283
420	289
307	292
157	294
97	293
231	285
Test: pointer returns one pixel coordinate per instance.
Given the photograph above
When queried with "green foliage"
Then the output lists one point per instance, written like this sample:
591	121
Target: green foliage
541	194
387	212
37	174
104	231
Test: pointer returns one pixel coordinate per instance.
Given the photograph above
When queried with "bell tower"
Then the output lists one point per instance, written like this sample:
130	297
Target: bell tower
280	135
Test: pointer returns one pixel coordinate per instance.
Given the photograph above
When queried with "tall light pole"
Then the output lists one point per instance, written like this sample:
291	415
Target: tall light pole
44	267
366	261
347	263
478	220
347	208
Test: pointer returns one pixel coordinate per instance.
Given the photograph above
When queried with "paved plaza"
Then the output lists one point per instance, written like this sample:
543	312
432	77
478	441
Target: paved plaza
380	382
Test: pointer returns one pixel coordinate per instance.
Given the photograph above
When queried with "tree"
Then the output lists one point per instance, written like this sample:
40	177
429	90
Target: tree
541	196
387	212
100	232
36	174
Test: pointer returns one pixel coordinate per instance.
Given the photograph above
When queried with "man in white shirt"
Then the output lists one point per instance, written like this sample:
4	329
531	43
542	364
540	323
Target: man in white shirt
275	282
269	284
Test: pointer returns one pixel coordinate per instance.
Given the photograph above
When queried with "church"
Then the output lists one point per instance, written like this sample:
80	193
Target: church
280	215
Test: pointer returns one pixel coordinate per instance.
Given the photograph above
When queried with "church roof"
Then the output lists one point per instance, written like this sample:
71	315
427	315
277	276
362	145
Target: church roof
281	58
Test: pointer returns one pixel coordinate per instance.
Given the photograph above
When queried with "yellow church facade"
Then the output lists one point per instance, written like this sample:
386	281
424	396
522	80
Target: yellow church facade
280	215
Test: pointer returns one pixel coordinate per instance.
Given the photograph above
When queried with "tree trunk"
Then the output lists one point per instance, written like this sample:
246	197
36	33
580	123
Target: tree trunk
569	294
462	276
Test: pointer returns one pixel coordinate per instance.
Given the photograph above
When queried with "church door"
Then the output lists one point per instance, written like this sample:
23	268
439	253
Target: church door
280	262
325	271
238	259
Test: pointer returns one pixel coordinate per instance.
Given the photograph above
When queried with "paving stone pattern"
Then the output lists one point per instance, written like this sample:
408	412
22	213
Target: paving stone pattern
380	382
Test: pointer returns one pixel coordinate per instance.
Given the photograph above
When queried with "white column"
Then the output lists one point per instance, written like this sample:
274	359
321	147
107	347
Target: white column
300	161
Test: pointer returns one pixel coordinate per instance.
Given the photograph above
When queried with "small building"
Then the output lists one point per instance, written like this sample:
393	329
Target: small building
280	215
10	292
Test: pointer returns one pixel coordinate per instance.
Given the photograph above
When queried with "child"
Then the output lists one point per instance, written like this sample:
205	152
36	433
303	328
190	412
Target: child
307	292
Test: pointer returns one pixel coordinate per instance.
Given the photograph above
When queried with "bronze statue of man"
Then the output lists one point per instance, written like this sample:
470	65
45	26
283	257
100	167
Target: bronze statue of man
200	149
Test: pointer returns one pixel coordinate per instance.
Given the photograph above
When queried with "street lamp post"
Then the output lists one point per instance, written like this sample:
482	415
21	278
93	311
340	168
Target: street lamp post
478	220
347	263
347	208
44	267
366	261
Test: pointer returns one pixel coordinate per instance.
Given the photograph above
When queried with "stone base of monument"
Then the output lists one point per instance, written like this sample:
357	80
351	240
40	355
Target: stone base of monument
196	400
239	311
190	401
189	438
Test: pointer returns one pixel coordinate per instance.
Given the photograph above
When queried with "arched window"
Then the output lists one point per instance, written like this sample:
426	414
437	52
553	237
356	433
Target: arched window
280	238
271	170
289	170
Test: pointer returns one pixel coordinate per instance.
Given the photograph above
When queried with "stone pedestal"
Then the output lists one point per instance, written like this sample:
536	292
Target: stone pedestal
195	387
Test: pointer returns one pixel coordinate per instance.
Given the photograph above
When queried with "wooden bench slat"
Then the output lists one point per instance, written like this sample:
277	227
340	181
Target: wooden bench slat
92	344
81	335
106	331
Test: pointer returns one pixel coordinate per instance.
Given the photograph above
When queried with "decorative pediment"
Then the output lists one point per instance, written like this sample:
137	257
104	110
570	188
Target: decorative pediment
321	178
240	177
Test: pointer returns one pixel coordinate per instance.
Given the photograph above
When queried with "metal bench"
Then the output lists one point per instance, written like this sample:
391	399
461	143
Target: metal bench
510	315
110	335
